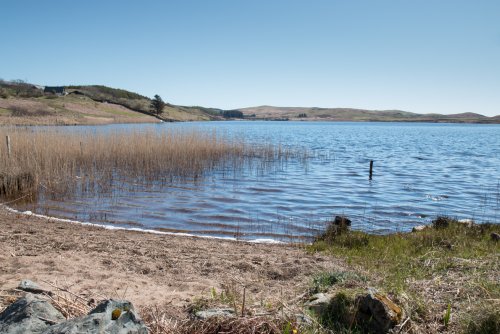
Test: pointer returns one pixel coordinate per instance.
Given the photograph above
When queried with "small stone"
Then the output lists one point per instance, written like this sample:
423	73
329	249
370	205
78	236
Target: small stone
215	312
495	237
318	303
30	286
342	221
466	222
419	228
303	319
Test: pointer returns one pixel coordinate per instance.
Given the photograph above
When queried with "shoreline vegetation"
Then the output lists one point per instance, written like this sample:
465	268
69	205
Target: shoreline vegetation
23	103
440	278
61	163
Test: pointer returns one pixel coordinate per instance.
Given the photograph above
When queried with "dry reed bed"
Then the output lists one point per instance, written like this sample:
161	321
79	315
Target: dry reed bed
62	162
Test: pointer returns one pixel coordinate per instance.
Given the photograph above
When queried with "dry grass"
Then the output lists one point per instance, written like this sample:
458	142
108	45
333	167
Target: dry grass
160	321
61	162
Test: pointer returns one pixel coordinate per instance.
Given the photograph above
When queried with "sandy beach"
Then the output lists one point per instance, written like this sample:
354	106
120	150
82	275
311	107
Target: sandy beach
145	268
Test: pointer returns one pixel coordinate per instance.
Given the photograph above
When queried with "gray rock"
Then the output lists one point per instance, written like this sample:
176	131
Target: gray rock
30	286
110	317
376	313
215	312
29	314
466	222
419	228
318	303
303	319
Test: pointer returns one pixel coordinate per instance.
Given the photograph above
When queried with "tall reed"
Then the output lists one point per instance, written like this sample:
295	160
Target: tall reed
62	162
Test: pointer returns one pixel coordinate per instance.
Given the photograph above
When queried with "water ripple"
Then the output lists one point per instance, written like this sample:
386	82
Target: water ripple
420	170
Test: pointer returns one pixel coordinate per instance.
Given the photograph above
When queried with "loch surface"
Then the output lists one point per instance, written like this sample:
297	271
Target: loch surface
420	171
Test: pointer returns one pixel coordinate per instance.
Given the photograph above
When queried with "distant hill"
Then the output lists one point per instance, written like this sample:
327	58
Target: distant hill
24	103
358	115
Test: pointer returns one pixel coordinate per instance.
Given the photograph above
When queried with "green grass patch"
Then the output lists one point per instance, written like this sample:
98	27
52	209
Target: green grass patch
118	112
398	257
322	282
449	268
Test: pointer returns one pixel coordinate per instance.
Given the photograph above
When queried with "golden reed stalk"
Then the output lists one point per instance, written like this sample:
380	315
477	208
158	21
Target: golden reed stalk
59	160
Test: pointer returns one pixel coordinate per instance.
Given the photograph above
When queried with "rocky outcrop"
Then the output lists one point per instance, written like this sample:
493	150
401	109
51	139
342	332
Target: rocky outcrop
376	313
369	313
111	317
30	314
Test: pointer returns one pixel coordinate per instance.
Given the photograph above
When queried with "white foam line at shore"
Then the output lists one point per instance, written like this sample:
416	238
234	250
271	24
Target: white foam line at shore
136	229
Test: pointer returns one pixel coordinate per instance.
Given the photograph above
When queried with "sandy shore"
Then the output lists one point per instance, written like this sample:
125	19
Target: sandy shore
148	269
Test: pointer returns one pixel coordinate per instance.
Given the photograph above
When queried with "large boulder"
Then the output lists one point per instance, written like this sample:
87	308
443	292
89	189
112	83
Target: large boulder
110	317
29	314
376	313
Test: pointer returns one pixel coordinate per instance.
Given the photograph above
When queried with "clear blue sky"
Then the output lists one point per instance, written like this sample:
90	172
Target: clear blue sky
422	56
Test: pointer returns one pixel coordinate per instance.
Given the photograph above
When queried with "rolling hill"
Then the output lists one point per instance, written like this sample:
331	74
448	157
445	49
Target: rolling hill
27	104
359	115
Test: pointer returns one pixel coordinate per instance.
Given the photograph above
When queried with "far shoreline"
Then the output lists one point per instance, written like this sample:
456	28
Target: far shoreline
416	122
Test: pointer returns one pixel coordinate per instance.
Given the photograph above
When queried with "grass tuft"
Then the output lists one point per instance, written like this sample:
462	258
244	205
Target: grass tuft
322	282
488	323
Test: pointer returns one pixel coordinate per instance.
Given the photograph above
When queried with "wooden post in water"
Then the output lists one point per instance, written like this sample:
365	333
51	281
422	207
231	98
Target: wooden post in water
8	145
371	169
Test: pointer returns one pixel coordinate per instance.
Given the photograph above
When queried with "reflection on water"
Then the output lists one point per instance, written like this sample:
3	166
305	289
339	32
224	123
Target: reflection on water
420	171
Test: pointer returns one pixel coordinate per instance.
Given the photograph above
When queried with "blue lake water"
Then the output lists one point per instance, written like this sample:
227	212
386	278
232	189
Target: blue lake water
420	171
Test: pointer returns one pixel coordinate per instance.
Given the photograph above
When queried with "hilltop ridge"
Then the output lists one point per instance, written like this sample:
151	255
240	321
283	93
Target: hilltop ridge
266	112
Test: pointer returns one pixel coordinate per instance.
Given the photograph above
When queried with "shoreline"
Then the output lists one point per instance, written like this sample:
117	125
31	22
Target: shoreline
157	121
141	230
145	268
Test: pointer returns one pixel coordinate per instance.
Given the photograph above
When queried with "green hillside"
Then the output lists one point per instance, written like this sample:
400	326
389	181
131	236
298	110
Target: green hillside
24	103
